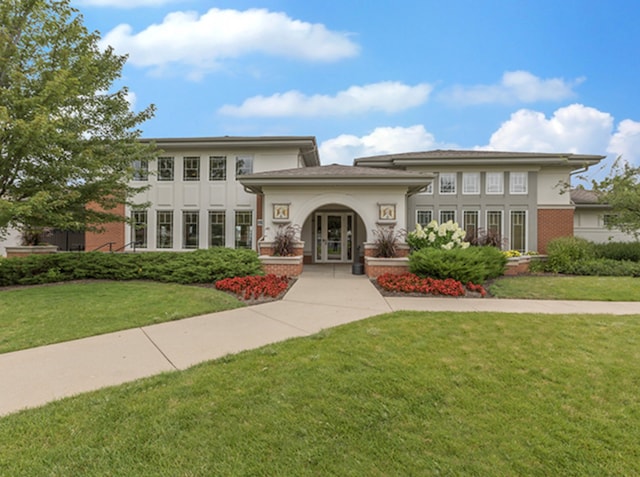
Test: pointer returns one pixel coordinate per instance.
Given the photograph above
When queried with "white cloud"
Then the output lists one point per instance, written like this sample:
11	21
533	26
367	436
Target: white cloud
383	140
125	3
388	96
202	41
626	142
576	129
515	87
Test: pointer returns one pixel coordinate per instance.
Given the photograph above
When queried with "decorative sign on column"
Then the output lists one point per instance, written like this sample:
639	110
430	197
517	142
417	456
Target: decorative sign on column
281	212
387	212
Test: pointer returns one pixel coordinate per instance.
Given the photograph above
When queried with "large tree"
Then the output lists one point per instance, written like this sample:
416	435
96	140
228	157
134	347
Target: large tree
67	139
621	191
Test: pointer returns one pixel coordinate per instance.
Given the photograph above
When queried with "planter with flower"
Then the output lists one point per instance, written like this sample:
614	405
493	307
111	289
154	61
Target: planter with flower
284	254
388	253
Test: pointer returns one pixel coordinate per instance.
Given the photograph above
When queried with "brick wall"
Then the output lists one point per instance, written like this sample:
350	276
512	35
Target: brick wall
290	270
553	223
113	232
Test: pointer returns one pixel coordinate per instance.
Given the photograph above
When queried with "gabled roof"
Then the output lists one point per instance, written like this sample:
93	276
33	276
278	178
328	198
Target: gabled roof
448	157
336	174
306	144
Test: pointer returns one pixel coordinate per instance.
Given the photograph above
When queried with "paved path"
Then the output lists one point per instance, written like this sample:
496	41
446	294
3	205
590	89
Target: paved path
324	296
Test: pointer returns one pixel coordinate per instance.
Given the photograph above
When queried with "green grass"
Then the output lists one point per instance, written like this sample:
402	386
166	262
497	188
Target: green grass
568	288
408	393
36	316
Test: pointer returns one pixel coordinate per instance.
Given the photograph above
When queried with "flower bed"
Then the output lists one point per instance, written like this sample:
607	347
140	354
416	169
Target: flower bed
255	287
411	283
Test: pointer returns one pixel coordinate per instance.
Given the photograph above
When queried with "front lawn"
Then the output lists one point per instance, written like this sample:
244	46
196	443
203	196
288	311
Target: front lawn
35	316
549	287
408	393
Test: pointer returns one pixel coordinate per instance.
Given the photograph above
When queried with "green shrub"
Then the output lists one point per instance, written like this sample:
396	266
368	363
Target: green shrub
564	251
604	267
473	264
199	266
618	251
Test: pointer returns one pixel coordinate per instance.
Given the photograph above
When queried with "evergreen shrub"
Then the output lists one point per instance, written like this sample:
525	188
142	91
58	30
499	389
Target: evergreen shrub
199	266
472	264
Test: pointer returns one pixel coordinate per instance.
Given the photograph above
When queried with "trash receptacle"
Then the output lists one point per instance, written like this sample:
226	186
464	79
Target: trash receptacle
357	269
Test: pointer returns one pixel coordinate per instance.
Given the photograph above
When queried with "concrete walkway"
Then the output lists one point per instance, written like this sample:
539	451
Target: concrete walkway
323	296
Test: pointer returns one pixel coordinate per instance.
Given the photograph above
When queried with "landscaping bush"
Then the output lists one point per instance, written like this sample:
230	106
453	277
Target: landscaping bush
604	267
564	251
446	236
618	251
473	264
199	266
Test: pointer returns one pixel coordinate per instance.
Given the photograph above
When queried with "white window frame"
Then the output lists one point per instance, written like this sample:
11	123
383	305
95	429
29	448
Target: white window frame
470	183
166	168
518	183
526	224
426	211
141	170
220	161
447	179
493	187
191	174
217	214
159	224
238	228
446	211
246	167
486	221
428	190
477	223
190	218
140	222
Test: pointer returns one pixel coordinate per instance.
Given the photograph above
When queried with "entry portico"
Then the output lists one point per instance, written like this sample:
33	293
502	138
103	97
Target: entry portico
335	208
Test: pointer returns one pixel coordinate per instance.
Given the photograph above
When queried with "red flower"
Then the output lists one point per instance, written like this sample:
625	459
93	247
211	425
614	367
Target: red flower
255	286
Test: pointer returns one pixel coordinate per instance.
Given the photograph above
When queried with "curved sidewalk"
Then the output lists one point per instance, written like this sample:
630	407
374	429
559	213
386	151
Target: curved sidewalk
323	297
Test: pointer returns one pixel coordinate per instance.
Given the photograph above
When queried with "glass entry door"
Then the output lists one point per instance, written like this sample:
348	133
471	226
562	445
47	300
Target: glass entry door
334	237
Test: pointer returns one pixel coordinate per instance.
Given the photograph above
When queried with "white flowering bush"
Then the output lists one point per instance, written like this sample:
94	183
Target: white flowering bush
446	236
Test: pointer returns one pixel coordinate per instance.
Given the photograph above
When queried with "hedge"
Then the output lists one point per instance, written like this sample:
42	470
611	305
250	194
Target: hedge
473	264
199	266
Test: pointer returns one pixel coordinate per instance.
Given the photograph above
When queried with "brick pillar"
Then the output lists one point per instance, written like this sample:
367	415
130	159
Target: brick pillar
553	223
113	232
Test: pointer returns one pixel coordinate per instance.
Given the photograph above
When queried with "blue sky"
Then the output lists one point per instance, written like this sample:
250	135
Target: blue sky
380	77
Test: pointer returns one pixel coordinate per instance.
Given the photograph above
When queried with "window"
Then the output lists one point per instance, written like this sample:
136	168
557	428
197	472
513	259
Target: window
518	182
139	228
140	170
448	183
191	169
244	228
470	224
244	165
447	215
190	229
494	226
471	183
165	229
217	231
217	168
495	183
165	168
427	190
519	230
423	217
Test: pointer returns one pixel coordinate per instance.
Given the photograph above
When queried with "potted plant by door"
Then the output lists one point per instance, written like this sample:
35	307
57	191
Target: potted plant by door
32	241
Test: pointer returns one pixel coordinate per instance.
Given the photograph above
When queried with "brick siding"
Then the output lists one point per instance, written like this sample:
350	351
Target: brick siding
113	232
553	223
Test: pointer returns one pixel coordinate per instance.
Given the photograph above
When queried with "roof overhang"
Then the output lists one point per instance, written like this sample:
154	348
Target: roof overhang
478	158
336	176
306	144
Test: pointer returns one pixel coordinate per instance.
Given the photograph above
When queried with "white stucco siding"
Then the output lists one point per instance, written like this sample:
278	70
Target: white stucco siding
552	187
588	224
205	195
363	200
